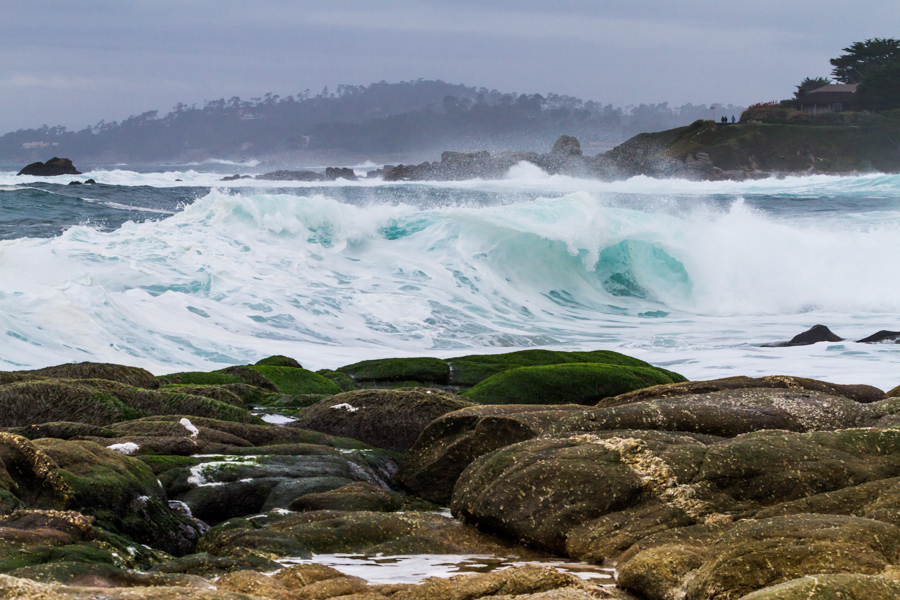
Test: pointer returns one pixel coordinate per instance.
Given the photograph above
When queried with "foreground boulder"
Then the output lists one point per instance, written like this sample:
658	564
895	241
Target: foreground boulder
451	442
119	493
729	413
53	167
390	419
560	493
219	488
858	393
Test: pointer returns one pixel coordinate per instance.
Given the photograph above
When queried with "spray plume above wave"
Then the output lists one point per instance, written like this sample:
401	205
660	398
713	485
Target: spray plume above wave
332	275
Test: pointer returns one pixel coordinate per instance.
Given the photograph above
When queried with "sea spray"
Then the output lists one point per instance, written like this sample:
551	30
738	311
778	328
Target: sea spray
330	277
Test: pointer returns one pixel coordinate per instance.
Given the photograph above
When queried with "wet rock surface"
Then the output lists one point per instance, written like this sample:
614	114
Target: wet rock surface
120	484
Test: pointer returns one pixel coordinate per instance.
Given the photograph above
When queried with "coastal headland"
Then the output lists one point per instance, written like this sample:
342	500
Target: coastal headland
243	483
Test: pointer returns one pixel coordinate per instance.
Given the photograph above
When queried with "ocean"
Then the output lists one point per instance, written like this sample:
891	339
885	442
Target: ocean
171	269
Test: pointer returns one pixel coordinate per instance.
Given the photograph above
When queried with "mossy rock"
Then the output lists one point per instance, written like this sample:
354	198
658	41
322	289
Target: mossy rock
121	493
551	491
572	383
29	477
422	369
472	369
133	376
451	442
858	393
297	381
278	361
760	553
727	413
43	401
342	380
390	419
361	495
62	430
160	464
196	378
363	532
220	393
101	402
842	586
251	434
207	565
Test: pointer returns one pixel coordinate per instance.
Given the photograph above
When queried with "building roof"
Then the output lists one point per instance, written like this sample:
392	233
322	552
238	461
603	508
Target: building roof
831	88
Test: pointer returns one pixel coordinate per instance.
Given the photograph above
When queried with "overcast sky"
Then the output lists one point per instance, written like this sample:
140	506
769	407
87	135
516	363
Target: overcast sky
75	63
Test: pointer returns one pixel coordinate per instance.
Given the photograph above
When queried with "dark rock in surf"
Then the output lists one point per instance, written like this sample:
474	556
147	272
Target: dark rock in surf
74	183
335	173
814	335
882	337
53	167
283	175
235	177
567	145
90	182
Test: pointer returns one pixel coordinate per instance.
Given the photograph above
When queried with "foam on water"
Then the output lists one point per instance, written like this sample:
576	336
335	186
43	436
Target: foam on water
676	277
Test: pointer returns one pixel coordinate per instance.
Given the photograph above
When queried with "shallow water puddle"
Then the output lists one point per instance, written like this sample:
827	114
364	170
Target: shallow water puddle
415	568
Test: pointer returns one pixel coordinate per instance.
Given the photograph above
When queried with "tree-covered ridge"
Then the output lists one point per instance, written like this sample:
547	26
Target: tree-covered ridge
379	120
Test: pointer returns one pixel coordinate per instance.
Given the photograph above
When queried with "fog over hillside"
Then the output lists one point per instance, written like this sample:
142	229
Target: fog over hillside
379	122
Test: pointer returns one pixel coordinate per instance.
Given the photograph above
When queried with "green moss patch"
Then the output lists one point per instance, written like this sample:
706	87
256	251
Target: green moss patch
294	381
424	370
472	369
574	383
279	361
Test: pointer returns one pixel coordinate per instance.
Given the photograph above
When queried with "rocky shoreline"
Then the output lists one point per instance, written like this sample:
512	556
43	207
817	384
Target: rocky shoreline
115	483
702	151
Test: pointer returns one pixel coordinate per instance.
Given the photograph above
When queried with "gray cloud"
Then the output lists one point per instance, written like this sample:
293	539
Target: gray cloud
76	63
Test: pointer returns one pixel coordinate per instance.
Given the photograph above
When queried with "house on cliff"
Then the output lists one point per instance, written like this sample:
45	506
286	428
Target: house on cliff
836	97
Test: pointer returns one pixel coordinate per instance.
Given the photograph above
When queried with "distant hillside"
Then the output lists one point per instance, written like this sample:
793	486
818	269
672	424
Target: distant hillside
379	121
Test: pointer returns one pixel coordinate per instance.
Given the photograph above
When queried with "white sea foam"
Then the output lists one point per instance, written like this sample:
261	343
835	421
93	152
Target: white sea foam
125	447
685	282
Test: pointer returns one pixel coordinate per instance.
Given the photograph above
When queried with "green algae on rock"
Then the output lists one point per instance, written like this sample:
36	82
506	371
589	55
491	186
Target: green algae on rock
131	376
570	383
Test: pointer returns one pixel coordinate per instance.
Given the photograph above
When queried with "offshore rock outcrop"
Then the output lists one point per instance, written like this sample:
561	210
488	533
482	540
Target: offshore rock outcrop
53	167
